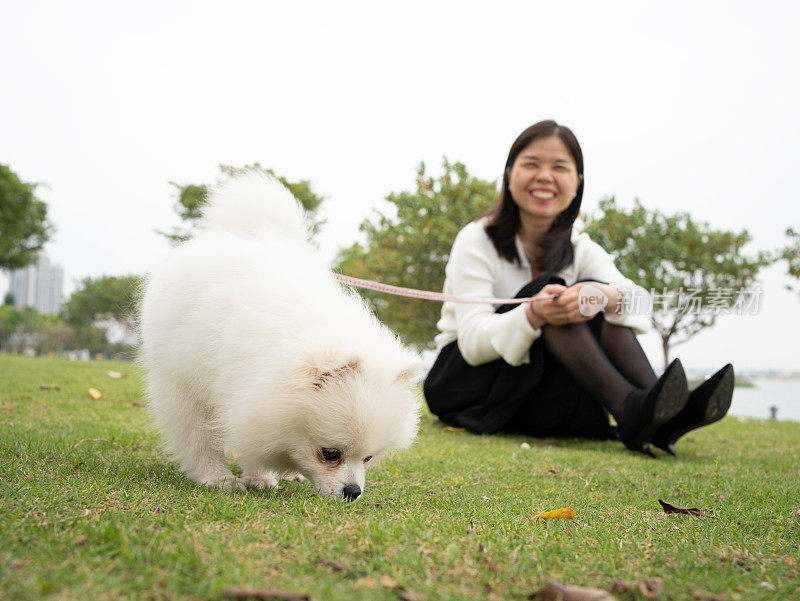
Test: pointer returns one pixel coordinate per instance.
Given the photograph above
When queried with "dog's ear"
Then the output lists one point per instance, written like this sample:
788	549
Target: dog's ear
319	376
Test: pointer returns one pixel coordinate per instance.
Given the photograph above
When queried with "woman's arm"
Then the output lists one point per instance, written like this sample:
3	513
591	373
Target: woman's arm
484	335
594	263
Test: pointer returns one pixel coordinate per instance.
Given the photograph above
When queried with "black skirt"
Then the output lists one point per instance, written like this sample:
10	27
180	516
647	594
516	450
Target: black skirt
537	399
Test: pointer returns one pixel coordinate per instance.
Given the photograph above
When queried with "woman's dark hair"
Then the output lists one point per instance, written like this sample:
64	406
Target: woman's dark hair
555	251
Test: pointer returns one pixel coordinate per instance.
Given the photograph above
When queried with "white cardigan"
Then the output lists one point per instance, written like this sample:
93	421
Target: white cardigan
475	269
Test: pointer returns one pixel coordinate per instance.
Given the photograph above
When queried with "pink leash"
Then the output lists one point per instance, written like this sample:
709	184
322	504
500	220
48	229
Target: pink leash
434	296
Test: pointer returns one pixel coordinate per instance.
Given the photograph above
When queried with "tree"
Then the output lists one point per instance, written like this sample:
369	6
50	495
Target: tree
791	254
412	247
26	325
102	299
24	328
694	272
192	198
24	227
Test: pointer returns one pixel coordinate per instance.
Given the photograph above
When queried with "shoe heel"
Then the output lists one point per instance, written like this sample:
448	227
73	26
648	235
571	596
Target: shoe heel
674	396
716	408
721	399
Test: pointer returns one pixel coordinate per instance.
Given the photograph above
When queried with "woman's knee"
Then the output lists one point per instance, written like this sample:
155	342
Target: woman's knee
566	329
614	329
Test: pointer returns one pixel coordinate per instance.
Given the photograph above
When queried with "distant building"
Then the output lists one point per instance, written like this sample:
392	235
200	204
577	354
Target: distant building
39	285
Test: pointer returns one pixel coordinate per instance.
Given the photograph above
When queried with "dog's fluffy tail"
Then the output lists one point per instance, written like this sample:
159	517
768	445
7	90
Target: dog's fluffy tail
251	204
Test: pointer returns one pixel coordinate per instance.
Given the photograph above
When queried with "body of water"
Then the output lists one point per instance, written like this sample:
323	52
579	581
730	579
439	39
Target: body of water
768	392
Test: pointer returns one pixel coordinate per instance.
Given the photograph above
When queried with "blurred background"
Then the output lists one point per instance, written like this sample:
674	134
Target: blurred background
116	118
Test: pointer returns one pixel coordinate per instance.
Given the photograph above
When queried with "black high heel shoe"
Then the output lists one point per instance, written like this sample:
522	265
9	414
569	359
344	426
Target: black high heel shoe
644	416
707	403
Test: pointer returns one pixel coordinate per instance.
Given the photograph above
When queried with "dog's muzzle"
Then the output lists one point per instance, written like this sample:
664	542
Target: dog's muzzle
351	492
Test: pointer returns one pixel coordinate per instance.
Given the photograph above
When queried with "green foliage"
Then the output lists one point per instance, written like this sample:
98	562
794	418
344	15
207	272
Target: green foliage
24	328
104	298
412	247
24	227
791	254
670	253
80	325
192	198
12	317
23	320
91	508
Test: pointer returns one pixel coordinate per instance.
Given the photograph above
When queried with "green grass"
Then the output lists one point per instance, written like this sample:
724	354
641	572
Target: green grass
90	508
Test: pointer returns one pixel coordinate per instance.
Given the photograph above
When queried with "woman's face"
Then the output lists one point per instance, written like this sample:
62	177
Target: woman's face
543	180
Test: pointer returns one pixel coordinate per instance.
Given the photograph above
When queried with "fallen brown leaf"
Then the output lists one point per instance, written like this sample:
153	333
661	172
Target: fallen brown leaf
490	594
670	508
739	559
649	588
388	582
702	595
490	563
79	540
453	429
410	595
556	592
241	593
336	566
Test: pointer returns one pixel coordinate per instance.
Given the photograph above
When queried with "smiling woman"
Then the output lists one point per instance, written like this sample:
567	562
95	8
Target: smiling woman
543	182
553	366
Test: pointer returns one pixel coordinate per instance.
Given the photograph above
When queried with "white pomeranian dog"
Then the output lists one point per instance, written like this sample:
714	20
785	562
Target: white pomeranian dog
251	345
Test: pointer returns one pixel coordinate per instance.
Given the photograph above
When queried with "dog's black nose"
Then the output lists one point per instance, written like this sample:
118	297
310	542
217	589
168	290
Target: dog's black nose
351	491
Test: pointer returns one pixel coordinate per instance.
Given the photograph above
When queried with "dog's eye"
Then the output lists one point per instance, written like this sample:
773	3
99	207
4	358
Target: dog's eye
331	454
367	458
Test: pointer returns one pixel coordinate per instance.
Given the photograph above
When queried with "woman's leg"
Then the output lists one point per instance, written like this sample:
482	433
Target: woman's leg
578	351
707	403
638	412
624	351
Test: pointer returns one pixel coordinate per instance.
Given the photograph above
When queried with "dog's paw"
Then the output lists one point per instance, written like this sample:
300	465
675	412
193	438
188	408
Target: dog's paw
294	478
260	482
230	483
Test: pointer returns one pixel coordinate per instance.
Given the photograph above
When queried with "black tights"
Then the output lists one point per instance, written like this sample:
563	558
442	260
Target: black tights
610	368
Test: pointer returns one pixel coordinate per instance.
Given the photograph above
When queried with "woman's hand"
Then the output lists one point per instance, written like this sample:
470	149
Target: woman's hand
566	308
535	310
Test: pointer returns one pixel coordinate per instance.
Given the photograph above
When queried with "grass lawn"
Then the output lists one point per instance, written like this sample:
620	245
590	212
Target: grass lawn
90	508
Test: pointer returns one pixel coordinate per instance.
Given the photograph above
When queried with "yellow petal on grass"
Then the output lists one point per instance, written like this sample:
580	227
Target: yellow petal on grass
95	394
564	514
452	429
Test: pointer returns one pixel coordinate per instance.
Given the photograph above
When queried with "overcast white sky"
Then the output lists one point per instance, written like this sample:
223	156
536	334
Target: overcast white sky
690	106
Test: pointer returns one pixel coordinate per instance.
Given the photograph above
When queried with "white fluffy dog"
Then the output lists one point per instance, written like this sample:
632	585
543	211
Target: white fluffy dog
250	344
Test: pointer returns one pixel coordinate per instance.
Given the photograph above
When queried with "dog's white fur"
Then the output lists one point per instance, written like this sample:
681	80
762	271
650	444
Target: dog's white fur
250	344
